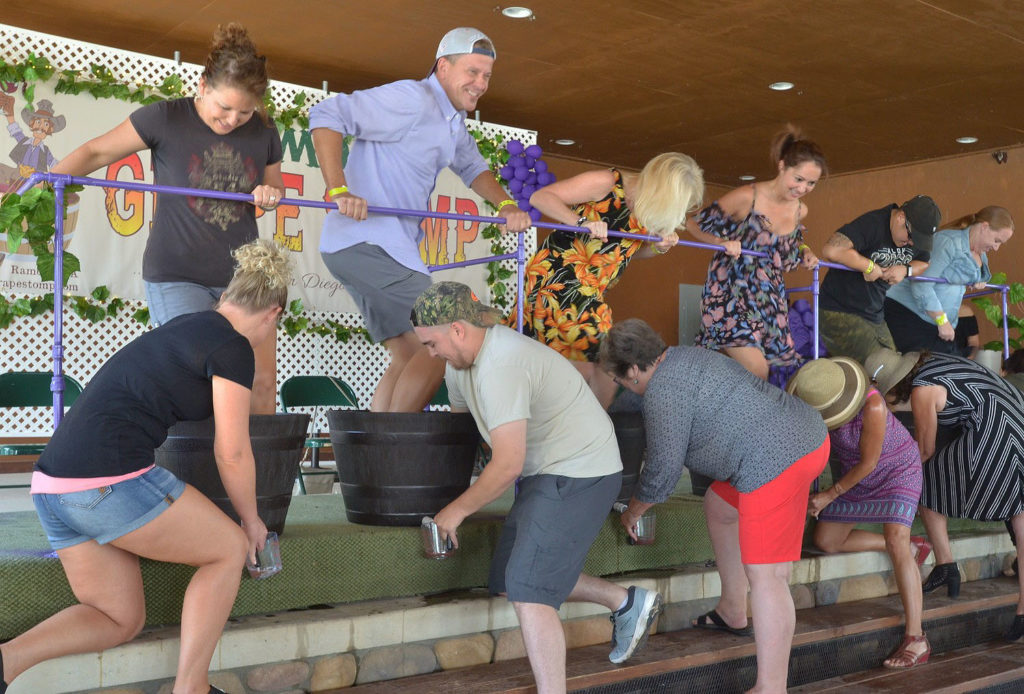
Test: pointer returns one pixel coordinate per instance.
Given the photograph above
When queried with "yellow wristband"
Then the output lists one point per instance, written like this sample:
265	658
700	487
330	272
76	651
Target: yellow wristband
941	319
870	268
334	192
505	203
803	247
658	250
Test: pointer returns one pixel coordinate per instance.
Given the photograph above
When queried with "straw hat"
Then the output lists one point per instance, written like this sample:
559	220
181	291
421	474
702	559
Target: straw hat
834	387
887	367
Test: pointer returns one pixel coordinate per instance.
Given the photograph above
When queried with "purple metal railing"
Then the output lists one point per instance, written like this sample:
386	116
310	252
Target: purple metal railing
60	181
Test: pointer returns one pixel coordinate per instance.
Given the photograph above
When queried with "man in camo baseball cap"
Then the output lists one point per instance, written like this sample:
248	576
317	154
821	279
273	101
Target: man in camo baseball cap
448	302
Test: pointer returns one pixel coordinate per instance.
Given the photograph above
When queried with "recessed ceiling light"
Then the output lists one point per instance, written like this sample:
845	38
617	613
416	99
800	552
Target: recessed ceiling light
780	86
747	177
564	141
517	12
967	140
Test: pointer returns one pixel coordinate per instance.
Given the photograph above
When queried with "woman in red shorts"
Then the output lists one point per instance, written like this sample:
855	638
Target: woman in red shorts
763	447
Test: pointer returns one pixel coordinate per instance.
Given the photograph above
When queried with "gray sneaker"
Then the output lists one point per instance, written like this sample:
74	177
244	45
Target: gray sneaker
632	622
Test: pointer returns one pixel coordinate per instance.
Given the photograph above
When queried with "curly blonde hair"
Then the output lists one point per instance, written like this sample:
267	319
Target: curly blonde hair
262	274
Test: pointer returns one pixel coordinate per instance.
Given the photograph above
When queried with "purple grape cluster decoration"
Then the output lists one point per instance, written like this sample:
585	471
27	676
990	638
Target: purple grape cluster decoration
525	172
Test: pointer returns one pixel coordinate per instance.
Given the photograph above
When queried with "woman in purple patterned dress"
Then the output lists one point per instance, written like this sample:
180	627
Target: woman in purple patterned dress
744	310
879	482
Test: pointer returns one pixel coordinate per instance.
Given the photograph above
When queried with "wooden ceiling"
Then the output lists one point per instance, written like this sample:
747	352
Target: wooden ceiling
878	82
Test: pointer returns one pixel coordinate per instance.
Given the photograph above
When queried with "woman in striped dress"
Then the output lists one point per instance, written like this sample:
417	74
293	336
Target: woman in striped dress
979	474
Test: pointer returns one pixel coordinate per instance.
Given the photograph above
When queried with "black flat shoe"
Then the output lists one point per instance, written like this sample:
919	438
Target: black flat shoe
1016	629
213	690
944	575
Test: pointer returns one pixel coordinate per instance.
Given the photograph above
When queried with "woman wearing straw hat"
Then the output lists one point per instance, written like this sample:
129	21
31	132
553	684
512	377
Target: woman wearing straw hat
979	474
878	481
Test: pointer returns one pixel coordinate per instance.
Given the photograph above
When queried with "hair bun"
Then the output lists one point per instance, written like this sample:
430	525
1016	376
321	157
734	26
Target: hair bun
264	257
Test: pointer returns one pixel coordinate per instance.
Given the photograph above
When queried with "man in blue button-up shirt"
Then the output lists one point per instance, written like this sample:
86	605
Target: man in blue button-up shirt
405	133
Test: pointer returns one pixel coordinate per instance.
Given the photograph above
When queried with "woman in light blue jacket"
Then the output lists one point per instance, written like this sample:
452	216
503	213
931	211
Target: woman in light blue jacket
922	315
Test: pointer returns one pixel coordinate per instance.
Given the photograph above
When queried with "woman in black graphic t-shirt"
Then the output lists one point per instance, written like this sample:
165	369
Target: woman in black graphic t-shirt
211	142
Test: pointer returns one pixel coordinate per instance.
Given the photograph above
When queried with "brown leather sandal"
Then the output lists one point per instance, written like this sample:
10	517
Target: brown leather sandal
903	658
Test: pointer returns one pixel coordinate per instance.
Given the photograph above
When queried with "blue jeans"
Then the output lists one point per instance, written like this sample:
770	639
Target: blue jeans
106	513
169	300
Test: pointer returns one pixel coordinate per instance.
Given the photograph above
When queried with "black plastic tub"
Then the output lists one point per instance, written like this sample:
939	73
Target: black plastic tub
277	441
395	468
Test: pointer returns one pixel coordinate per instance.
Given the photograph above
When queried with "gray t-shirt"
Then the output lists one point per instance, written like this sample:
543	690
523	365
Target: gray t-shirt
514	377
192	238
705	411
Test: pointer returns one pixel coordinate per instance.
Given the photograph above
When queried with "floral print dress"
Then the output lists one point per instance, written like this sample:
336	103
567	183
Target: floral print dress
568	275
744	299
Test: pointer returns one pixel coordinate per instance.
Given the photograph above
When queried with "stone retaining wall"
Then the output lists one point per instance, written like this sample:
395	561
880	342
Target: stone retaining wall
322	649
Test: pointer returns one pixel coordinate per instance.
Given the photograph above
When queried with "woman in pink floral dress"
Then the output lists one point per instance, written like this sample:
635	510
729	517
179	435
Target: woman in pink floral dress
744	309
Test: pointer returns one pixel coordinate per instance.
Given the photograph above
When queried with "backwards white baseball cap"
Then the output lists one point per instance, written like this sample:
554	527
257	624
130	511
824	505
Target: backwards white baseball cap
460	40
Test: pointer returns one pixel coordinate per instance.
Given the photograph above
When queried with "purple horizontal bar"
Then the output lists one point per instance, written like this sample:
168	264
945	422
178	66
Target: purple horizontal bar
474	261
245	197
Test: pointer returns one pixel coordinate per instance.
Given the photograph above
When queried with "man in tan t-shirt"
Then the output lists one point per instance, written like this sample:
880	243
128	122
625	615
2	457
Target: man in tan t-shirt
544	425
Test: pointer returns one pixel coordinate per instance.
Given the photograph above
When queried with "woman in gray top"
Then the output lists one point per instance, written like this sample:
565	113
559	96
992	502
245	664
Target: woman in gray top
763	446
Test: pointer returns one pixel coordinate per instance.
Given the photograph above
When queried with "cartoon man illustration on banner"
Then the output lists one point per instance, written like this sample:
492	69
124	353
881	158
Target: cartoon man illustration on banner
30	154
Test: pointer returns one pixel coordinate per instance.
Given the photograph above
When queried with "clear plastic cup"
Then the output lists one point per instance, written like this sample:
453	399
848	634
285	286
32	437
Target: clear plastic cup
644	526
434	547
644	530
268	560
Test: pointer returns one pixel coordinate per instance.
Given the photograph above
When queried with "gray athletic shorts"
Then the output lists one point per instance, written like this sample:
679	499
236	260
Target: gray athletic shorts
383	289
547	534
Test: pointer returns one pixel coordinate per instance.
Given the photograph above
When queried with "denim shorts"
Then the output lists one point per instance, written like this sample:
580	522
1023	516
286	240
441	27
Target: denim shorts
106	513
169	300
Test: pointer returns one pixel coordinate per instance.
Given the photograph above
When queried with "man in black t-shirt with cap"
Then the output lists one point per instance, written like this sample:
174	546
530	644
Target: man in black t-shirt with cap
882	247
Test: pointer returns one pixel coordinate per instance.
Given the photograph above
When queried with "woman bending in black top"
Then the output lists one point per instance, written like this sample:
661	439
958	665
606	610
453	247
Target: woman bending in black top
103	504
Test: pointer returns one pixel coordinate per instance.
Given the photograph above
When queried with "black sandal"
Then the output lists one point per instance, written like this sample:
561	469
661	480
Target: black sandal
1016	629
713	620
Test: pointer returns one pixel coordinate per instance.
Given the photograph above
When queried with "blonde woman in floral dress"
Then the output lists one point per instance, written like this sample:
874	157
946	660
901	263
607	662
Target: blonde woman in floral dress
568	275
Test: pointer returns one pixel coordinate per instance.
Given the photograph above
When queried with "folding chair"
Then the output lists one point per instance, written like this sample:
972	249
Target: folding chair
31	389
440	398
316	392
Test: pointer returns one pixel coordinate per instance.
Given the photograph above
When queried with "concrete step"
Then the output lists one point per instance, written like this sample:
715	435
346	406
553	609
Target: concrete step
992	666
831	643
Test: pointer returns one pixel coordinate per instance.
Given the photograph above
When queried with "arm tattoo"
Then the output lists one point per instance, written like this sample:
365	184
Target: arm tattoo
839	241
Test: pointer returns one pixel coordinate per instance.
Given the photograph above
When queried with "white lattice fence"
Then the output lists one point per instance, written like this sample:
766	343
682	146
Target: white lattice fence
27	344
131	68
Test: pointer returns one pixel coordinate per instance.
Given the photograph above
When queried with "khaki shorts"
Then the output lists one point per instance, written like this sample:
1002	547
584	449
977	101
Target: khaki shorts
847	335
